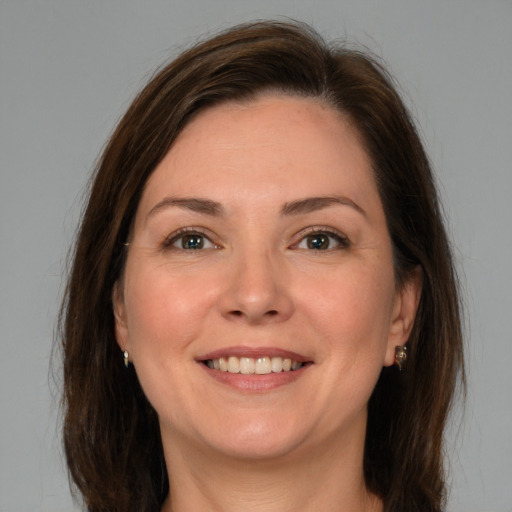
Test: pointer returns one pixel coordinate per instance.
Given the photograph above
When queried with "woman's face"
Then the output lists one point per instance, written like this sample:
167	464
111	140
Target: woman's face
260	243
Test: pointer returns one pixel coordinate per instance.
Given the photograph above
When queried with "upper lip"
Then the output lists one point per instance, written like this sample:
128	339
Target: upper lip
254	352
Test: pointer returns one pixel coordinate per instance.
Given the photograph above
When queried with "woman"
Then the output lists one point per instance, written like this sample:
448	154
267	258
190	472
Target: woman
262	312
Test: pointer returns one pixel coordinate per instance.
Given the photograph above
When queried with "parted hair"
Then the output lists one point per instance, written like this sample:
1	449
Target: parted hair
110	431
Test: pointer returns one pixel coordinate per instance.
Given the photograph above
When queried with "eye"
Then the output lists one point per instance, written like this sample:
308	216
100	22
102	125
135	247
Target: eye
189	241
322	241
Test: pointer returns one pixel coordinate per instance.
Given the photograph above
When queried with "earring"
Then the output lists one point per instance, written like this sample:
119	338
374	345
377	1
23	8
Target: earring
126	359
400	356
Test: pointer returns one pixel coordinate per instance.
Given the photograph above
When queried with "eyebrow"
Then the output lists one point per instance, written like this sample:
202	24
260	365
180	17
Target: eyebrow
312	204
198	205
215	209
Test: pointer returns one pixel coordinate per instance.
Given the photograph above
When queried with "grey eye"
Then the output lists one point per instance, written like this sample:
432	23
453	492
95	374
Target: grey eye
318	241
322	241
191	242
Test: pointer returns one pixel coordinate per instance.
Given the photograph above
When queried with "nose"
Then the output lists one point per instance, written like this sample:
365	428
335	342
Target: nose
257	290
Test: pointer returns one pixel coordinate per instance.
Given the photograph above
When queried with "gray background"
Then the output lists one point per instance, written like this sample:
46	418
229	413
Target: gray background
68	70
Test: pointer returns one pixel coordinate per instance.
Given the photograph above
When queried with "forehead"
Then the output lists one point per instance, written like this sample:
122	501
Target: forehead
270	148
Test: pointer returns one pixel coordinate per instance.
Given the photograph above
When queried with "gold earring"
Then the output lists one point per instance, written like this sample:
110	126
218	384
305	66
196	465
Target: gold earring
400	356
126	359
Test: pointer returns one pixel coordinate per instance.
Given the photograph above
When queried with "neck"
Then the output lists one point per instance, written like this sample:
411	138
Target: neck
330	479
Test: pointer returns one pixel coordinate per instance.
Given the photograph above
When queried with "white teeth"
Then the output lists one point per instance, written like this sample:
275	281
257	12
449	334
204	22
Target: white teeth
223	364
247	365
263	366
277	364
233	365
251	366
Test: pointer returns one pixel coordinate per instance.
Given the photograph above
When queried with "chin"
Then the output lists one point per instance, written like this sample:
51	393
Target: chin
260	439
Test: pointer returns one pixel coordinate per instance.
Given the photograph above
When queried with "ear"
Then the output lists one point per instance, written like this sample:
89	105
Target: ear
405	305
120	325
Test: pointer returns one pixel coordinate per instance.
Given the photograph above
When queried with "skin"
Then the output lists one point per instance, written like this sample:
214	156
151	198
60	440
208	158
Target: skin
257	283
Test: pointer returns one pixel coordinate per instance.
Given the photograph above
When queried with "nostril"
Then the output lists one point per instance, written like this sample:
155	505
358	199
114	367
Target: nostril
239	313
255	315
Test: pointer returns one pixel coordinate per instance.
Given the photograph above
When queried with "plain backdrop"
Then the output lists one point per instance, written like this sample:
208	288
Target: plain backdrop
68	70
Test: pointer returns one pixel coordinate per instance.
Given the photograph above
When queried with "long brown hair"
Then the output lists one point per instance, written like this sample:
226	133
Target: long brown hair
111	433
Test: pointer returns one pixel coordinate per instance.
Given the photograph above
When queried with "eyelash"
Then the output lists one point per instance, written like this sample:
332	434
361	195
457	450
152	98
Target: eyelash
177	235
341	240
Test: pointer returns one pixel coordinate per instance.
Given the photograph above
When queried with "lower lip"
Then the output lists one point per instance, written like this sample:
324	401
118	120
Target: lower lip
256	383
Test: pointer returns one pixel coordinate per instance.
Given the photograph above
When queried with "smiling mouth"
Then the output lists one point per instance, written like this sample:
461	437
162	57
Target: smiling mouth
253	365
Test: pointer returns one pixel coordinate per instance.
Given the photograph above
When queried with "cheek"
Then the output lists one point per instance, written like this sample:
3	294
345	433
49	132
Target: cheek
164	311
353	310
349	313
